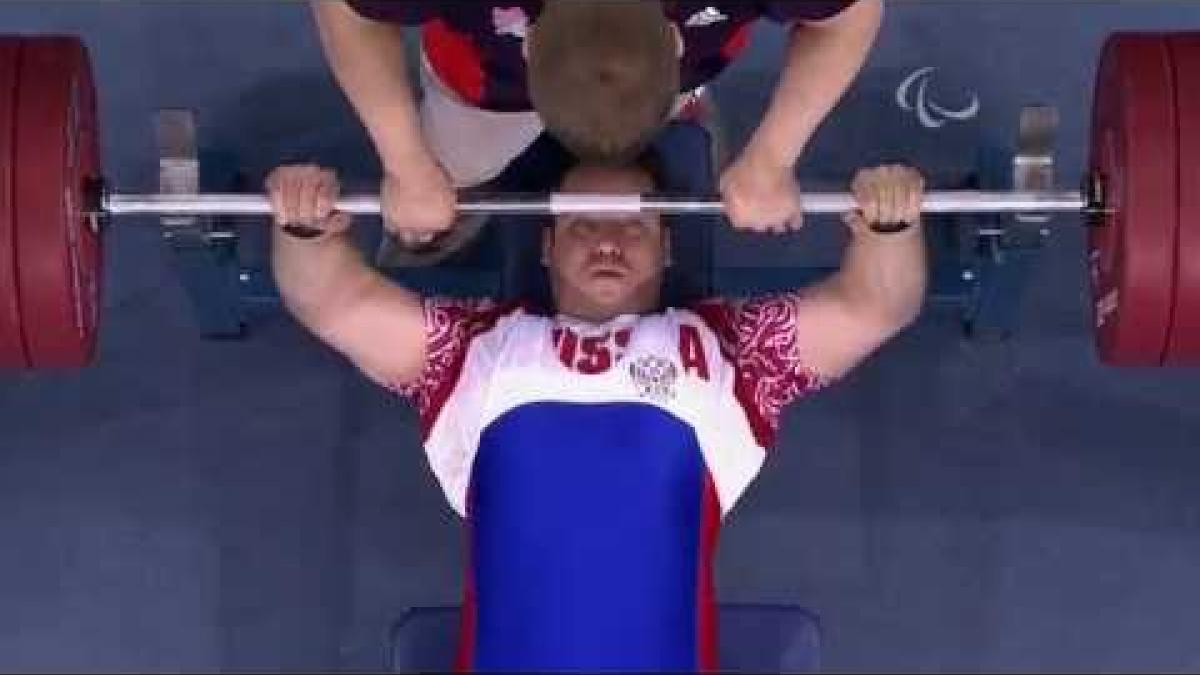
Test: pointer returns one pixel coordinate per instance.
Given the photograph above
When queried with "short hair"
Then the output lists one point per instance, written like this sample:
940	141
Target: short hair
603	75
649	161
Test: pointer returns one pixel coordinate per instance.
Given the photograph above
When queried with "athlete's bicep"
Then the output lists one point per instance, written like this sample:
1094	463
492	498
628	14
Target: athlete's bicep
381	329
833	336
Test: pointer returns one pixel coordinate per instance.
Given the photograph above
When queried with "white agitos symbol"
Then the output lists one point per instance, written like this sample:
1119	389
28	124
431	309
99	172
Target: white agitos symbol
929	113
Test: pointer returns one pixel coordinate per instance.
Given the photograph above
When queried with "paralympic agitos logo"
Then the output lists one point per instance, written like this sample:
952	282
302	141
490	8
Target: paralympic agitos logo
913	95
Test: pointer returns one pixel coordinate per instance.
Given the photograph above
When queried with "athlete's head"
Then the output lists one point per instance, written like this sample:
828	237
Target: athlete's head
602	266
603	74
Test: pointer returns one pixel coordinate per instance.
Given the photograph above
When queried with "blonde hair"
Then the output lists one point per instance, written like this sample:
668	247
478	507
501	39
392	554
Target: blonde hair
603	75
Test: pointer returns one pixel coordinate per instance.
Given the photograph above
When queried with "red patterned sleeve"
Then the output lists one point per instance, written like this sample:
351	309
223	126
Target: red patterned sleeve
450	327
758	335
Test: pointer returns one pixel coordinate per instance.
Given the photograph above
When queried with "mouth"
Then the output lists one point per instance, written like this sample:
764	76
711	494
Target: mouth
607	270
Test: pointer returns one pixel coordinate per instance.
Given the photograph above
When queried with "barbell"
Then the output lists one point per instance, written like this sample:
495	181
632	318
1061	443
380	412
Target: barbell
1141	193
938	201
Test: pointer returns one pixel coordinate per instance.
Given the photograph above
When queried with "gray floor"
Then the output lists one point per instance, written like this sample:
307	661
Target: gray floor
192	505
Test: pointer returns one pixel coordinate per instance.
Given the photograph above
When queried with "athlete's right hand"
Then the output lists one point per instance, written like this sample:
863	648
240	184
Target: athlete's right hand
418	201
303	197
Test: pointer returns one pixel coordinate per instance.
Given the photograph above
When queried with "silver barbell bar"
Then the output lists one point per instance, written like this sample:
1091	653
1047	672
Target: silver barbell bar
936	201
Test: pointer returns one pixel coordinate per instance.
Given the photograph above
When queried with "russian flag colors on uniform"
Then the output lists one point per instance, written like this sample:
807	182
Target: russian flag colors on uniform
593	465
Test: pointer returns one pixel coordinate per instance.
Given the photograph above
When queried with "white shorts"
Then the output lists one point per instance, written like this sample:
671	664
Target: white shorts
473	145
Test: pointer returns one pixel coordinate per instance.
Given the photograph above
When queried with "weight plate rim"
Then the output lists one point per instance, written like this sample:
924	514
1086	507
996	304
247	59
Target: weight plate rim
69	339
1183	345
10	300
1135	332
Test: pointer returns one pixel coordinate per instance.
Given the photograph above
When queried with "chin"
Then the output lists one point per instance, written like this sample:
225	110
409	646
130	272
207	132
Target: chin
610	292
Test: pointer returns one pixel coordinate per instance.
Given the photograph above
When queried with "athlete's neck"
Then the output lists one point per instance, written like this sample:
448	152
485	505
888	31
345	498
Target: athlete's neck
590	312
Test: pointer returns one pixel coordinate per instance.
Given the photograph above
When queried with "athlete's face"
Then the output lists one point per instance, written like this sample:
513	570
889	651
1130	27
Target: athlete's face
602	266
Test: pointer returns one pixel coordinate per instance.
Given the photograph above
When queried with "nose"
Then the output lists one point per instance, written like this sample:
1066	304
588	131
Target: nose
606	246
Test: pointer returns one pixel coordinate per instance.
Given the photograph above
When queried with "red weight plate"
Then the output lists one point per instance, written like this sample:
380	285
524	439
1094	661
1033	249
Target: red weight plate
1183	344
1132	253
58	252
12	344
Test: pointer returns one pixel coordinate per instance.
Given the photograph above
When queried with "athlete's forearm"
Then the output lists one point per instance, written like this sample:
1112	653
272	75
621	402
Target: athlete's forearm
884	275
317	279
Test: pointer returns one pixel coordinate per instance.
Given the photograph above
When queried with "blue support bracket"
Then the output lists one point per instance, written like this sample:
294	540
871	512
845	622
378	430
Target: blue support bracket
209	272
1008	246
204	254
